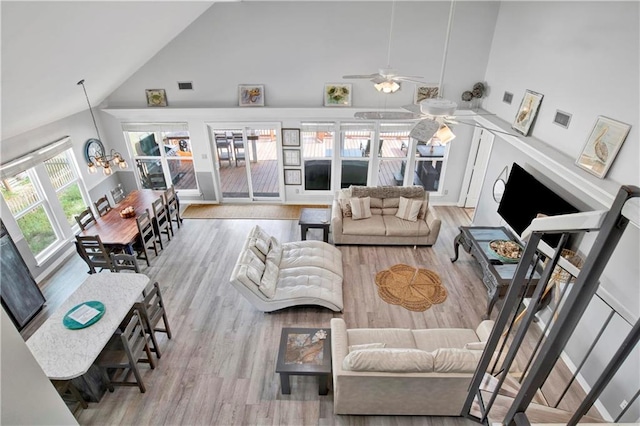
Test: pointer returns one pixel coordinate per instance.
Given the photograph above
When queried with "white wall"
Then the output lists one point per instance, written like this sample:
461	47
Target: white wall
584	57
28	397
297	47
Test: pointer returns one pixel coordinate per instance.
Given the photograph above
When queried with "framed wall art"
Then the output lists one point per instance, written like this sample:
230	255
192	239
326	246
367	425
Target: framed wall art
602	146
337	94
291	157
251	95
290	137
527	112
430	91
292	177
156	97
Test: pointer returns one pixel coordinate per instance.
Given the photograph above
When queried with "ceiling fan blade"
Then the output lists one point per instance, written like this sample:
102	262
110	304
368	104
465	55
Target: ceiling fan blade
414	108
478	125
385	115
362	76
379	79
424	130
410	79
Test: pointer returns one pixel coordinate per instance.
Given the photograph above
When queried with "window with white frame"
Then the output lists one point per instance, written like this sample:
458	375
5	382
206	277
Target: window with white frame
44	191
162	154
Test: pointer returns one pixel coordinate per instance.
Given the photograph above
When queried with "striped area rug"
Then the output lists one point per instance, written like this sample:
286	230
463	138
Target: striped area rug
245	211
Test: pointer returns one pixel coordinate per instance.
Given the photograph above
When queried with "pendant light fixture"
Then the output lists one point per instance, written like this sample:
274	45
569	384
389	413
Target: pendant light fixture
95	152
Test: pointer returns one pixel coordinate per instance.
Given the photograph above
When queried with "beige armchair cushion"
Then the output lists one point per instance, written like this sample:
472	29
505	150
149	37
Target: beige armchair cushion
389	360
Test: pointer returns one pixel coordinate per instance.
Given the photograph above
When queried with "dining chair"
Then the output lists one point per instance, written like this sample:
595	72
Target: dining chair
124	262
173	206
147	237
93	252
103	206
85	219
238	147
118	194
162	221
152	310
223	146
70	395
123	352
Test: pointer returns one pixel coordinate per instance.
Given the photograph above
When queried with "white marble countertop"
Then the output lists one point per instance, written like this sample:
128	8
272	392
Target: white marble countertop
64	354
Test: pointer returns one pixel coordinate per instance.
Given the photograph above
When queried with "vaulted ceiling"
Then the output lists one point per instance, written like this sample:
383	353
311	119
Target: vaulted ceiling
48	46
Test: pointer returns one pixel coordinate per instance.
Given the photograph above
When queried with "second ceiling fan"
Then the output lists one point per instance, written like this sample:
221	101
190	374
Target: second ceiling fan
387	80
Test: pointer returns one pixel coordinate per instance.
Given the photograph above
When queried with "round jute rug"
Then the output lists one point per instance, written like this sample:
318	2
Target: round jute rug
415	289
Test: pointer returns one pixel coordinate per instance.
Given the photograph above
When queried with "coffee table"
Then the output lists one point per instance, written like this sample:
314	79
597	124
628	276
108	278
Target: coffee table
314	218
302	354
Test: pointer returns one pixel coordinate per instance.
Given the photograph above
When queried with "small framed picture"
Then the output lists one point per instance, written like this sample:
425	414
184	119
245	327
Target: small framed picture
603	145
337	94
292	177
291	137
251	95
291	157
527	112
430	91
156	97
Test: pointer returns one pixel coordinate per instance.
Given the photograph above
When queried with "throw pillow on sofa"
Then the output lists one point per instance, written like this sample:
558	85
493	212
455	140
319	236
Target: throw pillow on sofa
361	208
397	360
409	209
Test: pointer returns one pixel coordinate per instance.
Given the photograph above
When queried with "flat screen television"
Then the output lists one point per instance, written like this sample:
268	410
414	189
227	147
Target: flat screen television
524	197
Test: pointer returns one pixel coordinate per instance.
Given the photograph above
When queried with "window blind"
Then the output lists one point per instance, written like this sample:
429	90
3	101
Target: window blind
33	158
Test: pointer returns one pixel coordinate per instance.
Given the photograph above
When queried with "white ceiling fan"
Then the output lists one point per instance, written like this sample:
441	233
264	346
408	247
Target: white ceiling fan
434	114
387	80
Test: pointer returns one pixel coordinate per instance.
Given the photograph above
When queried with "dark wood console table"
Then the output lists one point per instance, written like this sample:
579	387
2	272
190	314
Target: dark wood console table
496	275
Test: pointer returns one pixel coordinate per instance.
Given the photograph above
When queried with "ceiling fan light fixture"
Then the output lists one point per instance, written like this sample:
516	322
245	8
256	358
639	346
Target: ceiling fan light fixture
444	135
388	86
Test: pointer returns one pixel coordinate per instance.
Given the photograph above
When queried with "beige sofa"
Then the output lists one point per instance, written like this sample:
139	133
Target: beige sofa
273	275
383	227
377	381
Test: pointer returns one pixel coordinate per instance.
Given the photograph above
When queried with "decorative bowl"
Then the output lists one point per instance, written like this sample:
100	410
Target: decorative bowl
128	212
506	250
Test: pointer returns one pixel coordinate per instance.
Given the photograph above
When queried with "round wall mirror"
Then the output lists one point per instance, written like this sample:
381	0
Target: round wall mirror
498	189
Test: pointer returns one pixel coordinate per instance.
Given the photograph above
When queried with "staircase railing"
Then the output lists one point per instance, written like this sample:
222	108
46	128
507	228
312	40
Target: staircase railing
575	298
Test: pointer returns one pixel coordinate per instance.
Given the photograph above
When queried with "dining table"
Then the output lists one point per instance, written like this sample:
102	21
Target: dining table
69	354
116	231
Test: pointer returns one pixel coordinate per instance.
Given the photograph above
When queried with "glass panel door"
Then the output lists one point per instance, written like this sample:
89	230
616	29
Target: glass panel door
247	157
262	148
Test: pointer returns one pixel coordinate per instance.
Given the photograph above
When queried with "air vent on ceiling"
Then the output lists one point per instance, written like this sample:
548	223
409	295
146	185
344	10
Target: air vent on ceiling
185	85
507	97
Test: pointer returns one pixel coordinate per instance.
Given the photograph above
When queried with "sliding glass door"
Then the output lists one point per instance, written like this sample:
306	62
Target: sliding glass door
246	160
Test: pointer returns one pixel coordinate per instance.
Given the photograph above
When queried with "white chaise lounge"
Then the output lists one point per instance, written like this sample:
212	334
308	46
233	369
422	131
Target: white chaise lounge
273	275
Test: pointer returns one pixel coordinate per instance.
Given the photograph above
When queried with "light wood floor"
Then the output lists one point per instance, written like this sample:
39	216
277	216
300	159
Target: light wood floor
219	368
